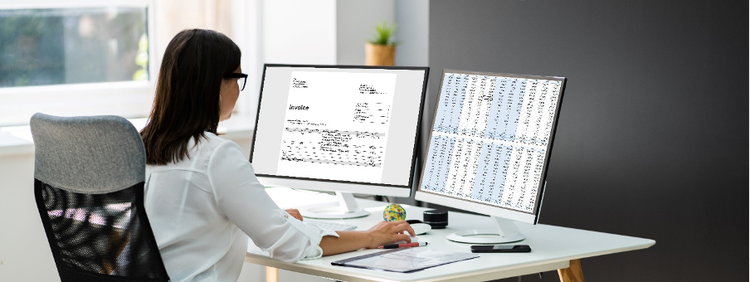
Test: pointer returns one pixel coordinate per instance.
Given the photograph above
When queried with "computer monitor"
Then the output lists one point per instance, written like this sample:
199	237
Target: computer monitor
489	148
346	129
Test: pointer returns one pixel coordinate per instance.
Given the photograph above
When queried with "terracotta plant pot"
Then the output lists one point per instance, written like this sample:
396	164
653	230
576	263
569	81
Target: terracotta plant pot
379	55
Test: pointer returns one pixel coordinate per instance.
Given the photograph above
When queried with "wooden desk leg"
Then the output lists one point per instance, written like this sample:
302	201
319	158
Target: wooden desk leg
574	273
272	274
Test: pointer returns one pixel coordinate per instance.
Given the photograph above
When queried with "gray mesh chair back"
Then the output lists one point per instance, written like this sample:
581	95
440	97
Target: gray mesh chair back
88	183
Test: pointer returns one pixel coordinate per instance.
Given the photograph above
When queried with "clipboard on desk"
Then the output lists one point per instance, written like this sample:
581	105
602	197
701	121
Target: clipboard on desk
405	260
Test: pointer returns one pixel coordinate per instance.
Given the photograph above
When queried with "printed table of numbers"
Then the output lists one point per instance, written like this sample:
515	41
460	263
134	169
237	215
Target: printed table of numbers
490	138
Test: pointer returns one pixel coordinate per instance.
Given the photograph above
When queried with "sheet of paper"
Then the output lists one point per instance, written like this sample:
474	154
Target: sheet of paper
406	259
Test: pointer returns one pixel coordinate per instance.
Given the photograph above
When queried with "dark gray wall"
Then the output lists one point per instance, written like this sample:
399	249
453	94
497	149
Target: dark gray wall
652	139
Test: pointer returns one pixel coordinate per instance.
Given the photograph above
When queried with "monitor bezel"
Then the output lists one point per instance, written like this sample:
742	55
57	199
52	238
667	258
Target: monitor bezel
339	185
476	206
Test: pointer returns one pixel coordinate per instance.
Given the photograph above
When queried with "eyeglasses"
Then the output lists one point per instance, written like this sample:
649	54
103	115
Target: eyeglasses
241	79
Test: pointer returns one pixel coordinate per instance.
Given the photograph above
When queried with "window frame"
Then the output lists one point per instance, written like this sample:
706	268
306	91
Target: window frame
130	99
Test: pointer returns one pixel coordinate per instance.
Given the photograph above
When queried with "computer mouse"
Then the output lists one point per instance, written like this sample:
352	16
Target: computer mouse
420	228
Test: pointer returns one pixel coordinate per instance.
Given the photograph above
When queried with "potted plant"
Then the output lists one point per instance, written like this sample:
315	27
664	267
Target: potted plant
381	51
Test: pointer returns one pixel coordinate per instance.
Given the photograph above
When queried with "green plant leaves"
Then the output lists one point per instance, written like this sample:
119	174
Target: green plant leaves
384	33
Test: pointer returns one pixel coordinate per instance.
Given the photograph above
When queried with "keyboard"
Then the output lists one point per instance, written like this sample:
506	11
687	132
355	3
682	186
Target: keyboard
335	226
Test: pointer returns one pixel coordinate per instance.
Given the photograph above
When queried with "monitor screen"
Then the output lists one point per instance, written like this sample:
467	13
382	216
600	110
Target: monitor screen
490	143
339	128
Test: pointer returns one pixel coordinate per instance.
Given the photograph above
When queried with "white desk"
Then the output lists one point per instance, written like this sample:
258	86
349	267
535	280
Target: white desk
553	248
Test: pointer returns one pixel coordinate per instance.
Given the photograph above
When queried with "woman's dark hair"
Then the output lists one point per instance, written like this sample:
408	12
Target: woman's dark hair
187	93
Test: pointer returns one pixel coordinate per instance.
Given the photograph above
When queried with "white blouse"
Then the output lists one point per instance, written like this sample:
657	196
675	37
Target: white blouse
202	207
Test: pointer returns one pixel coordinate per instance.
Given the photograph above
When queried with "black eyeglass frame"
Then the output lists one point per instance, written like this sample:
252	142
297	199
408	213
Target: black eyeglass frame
238	76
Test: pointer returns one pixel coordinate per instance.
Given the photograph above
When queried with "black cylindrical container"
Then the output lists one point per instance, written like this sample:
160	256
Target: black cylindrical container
437	219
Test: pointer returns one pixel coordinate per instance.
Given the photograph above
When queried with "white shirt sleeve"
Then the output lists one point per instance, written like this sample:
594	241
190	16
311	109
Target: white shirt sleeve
245	202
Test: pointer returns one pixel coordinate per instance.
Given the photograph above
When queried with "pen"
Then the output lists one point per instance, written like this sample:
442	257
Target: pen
405	245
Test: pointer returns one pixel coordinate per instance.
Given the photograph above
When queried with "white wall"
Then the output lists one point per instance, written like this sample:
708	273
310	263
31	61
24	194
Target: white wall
24	252
299	32
356	20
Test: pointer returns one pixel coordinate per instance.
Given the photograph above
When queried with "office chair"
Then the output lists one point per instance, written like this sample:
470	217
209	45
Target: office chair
89	174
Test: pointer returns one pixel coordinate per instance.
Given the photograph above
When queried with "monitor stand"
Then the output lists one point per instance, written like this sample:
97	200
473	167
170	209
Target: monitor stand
347	208
505	232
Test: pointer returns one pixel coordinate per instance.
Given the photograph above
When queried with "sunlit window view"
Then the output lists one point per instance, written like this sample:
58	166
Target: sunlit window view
73	45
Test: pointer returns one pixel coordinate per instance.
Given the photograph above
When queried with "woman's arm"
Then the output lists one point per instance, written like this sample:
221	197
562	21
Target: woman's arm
244	201
382	233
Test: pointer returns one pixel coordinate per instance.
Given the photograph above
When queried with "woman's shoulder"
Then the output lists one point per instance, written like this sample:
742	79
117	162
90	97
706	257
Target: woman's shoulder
215	143
214	139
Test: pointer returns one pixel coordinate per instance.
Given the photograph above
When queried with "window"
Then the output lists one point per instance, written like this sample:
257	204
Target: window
68	46
77	58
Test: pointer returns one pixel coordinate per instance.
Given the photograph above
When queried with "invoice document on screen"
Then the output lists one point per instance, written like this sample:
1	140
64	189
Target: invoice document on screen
320	140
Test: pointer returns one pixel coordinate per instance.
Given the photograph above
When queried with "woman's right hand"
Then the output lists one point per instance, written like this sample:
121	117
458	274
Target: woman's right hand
380	234
389	232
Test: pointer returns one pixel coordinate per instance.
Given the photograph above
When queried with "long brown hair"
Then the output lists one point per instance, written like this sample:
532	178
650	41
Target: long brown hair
187	93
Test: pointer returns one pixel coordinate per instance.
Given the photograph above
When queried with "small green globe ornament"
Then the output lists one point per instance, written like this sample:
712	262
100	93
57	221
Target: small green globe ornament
394	212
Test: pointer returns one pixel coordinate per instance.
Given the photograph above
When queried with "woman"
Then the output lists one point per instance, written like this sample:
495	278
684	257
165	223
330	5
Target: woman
202	196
